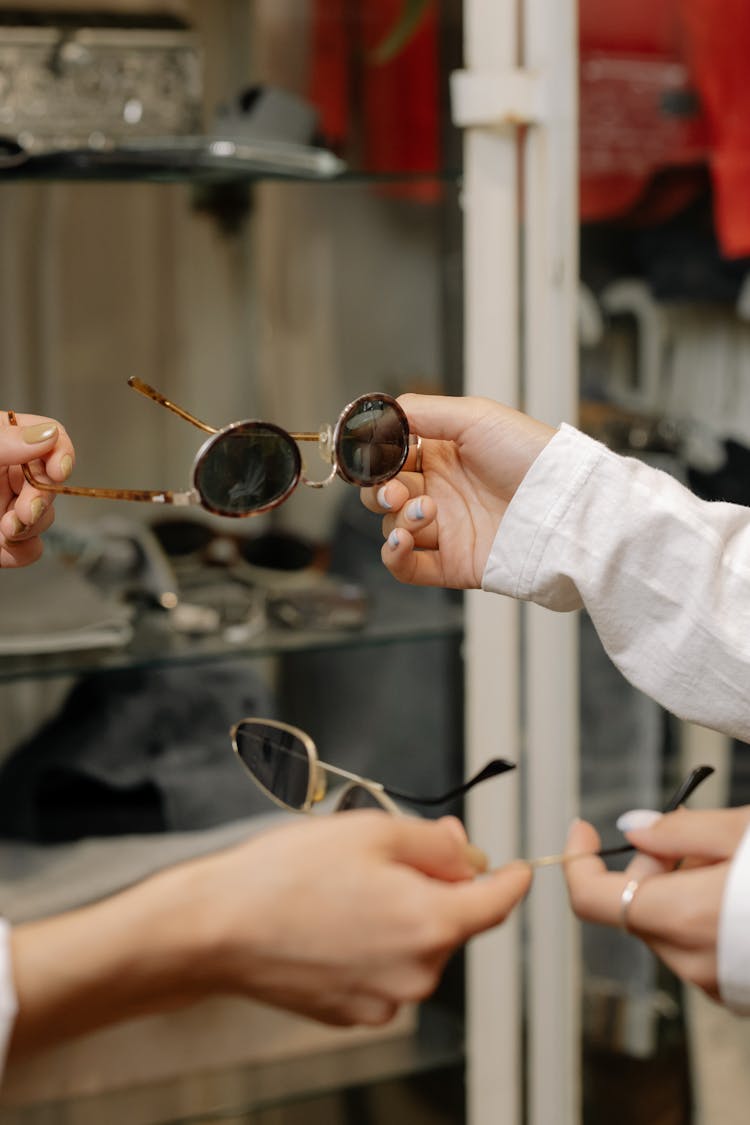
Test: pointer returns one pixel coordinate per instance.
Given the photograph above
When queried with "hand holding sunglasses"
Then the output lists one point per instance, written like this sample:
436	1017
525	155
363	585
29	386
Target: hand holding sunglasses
250	467
283	761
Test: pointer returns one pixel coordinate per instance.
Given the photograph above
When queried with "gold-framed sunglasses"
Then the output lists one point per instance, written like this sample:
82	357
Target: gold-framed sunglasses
283	762
251	466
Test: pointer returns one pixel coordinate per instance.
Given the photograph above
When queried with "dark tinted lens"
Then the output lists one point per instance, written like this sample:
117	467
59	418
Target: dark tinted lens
359	797
247	468
372	440
277	759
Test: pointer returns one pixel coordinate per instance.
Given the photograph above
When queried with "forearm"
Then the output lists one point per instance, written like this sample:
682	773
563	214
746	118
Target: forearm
664	576
127	956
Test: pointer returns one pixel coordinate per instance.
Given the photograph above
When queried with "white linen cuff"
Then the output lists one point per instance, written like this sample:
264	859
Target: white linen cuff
734	933
554	480
8	999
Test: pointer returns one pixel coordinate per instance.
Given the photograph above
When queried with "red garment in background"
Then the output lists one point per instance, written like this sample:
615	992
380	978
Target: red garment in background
401	99
330	71
639	61
718	51
636	118
385	117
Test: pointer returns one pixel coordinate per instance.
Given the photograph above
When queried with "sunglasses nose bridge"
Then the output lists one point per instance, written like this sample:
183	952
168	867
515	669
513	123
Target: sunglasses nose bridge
325	443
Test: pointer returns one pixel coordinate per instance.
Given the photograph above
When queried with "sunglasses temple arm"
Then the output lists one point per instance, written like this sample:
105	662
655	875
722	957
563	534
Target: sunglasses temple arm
695	778
351	776
492	769
152	496
156	396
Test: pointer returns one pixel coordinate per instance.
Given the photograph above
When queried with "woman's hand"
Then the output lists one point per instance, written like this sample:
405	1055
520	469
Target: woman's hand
675	910
341	918
26	512
442	521
345	918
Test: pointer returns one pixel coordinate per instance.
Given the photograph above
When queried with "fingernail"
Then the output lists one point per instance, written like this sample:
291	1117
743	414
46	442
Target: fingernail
37	509
414	510
637	818
66	466
393	540
382	498
43	431
18	528
477	858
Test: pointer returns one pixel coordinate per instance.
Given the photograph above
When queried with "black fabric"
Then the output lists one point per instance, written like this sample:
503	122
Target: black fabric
136	751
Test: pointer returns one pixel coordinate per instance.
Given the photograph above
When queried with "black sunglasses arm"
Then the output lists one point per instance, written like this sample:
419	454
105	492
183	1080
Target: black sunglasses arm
493	768
681	794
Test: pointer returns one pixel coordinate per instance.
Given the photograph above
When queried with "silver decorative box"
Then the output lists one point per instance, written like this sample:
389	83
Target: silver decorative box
66	87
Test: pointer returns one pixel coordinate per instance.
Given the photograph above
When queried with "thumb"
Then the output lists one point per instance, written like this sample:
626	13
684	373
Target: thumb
708	834
439	416
21	444
487	902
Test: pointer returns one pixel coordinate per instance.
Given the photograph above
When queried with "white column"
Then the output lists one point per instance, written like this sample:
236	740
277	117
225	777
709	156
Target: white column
550	256
492	631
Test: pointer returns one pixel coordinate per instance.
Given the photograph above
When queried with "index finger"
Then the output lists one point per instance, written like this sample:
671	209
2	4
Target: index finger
37	438
479	905
433	847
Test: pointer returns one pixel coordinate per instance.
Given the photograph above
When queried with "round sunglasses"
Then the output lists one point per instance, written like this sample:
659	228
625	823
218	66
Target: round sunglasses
283	761
250	467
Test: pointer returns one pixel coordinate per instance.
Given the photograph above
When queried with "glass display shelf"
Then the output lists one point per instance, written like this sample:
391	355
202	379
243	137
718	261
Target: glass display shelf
234	1094
156	643
201	160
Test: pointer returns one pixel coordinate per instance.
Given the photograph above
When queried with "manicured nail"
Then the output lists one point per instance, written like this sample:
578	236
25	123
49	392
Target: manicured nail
43	431
37	509
393	540
18	528
637	818
383	499
66	466
414	510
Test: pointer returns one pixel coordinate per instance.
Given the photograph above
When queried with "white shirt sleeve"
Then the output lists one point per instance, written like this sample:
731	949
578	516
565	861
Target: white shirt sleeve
8	1001
665	578
734	933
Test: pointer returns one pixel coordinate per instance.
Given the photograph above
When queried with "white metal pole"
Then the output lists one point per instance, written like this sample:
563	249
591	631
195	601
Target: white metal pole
551	674
490	201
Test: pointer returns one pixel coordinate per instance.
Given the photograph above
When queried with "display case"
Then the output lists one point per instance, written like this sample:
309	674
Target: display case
244	276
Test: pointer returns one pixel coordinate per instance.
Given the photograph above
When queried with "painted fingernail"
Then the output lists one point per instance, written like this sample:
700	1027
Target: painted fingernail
383	499
66	466
43	431
18	528
637	818
414	510
37	509
393	540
